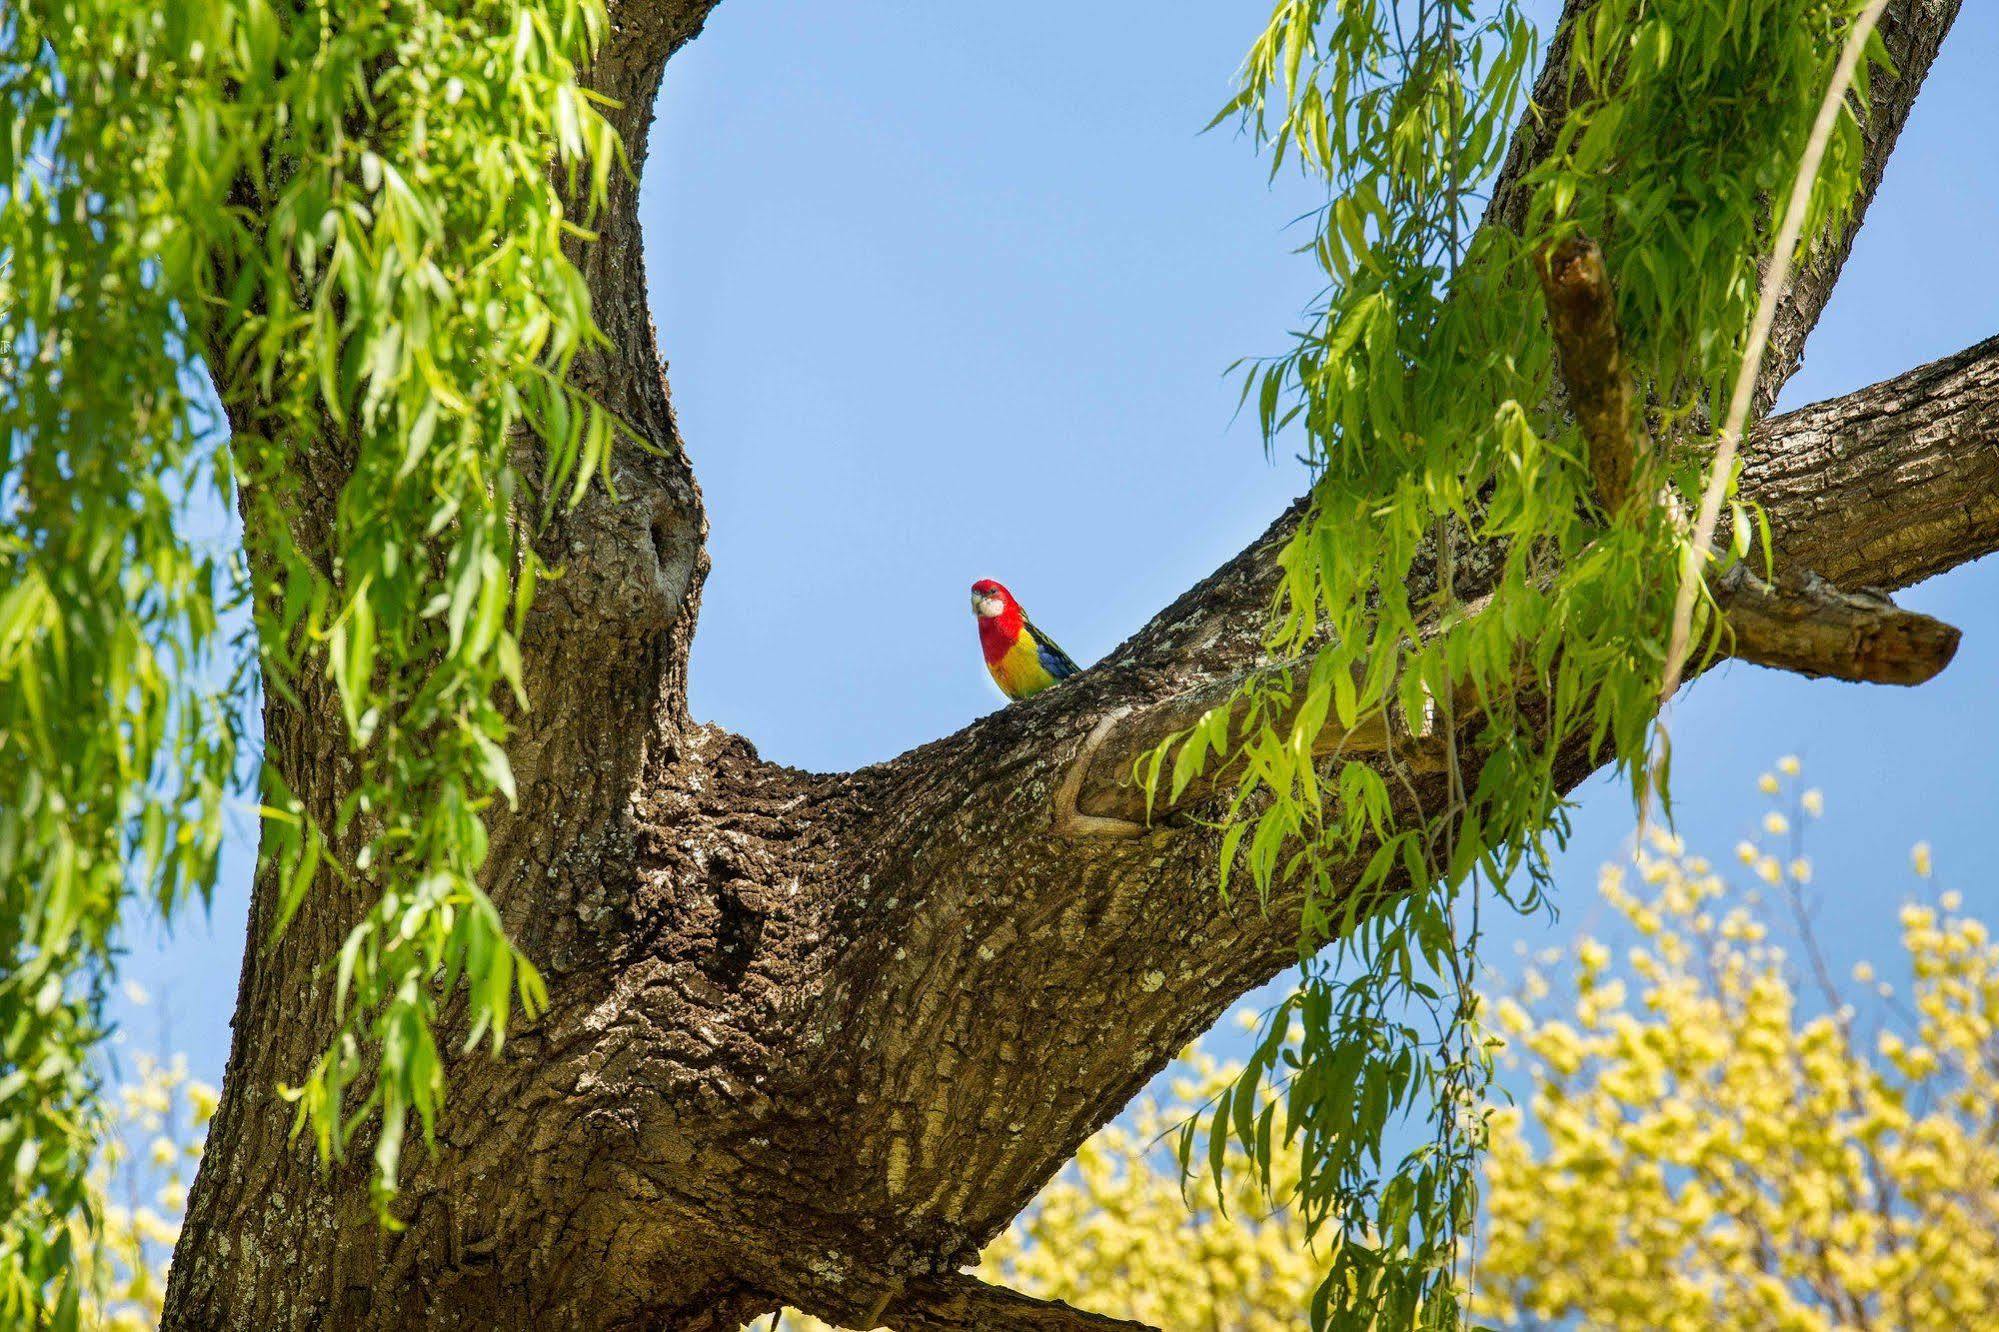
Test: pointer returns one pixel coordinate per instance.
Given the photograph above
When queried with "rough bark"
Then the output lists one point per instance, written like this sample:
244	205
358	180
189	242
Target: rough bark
814	1039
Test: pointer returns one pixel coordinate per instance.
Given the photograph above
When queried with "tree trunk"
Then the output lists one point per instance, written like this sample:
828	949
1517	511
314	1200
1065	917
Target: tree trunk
814	1039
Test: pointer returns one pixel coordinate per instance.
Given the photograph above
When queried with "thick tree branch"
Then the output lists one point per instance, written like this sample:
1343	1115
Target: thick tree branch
1079	965
1898	469
1000	988
1889	485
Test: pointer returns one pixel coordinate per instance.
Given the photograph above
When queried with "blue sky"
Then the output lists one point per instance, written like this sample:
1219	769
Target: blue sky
949	291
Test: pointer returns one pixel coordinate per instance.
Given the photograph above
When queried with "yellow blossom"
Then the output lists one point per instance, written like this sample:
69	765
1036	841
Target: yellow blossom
1813	802
1513	1017
122	1261
1919	858
1789	765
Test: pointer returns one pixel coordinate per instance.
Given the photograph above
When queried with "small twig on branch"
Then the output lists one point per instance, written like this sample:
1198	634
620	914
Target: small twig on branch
1582	315
960	1302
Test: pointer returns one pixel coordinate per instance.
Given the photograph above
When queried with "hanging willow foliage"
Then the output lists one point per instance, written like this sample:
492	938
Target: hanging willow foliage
352	221
1422	394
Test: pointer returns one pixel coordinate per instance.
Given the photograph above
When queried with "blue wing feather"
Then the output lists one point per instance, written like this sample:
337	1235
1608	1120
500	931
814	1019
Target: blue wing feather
1053	659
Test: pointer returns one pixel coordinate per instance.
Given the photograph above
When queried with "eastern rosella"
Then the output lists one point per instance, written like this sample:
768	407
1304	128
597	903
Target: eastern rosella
1023	660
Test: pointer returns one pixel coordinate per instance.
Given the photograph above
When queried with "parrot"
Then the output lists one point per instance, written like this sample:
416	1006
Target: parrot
1022	659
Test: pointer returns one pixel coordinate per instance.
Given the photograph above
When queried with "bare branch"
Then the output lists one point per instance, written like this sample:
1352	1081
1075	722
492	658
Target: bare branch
1807	625
1888	485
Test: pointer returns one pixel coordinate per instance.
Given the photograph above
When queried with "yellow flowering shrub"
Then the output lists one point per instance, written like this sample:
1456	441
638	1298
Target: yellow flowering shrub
1716	1138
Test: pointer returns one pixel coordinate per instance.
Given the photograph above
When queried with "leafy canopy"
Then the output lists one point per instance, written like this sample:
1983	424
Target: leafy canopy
1456	576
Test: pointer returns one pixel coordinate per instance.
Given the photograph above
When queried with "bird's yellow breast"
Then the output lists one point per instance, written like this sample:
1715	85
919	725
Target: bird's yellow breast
1020	672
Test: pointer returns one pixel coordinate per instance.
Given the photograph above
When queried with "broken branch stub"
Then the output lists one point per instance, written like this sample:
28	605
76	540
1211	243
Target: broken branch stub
1805	624
1582	316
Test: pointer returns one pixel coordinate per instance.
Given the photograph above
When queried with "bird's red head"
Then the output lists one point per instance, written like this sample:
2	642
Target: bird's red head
1000	618
991	599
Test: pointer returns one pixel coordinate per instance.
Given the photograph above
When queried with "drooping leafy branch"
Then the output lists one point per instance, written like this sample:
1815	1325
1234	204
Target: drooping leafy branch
1424	394
412	312
118	730
356	219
